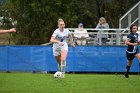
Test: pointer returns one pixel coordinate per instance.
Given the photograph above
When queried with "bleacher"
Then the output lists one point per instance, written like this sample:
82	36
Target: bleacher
115	36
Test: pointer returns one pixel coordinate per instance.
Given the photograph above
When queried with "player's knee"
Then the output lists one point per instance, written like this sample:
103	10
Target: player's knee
63	58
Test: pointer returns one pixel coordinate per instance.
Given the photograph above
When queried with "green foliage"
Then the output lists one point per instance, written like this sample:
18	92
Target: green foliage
37	19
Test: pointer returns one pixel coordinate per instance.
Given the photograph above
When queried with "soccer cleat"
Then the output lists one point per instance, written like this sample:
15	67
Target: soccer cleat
126	75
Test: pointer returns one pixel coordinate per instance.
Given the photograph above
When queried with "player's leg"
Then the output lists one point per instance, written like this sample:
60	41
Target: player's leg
56	53
63	60
130	57
58	59
138	56
129	63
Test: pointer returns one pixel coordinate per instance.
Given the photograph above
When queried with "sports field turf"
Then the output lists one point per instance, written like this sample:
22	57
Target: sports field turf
72	83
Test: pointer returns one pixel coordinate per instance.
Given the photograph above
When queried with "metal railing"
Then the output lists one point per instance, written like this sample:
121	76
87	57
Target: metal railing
115	36
132	16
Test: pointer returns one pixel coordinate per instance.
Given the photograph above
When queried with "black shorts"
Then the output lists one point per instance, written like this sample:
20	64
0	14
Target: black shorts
131	56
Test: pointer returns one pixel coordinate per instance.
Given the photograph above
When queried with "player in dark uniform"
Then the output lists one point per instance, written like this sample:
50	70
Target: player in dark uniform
132	48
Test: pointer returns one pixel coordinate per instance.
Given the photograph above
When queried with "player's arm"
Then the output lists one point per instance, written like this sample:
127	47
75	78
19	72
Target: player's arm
127	42
7	31
71	40
53	40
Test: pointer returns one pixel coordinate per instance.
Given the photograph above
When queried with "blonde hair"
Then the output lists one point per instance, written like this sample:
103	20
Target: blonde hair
60	20
103	19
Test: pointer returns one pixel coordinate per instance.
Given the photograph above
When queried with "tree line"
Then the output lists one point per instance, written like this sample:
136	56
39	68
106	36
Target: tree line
35	20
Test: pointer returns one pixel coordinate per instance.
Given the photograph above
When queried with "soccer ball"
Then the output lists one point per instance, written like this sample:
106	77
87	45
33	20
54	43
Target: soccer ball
58	74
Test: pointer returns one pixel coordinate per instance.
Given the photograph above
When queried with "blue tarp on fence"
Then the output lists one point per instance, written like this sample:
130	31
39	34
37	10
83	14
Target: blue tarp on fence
80	59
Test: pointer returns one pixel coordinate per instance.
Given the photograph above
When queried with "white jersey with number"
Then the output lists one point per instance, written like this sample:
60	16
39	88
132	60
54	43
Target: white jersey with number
62	37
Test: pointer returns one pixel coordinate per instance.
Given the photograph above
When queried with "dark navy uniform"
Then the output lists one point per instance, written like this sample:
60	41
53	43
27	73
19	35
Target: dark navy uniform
132	50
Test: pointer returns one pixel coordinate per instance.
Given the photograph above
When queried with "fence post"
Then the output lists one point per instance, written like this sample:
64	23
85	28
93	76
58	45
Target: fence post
129	20
139	15
8	61
118	37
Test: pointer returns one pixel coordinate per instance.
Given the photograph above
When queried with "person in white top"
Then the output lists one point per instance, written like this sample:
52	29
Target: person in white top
60	46
7	31
81	35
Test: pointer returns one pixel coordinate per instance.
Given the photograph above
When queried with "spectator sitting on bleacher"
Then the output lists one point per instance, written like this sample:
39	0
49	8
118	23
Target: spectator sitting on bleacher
103	34
81	35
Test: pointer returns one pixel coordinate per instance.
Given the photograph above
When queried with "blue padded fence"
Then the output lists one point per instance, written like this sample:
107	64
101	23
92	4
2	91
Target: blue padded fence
80	59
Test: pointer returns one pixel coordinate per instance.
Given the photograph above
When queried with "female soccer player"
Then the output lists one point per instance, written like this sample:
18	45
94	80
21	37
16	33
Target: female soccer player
7	31
132	47
60	46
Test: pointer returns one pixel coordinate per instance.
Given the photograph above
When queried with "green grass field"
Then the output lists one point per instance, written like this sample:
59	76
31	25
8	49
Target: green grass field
72	83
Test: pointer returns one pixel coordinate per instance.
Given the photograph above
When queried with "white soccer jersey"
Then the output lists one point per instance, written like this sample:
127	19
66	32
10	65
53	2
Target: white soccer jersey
62	37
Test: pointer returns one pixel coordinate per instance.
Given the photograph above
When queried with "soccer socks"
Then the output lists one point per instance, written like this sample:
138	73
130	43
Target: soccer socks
63	66
59	68
127	71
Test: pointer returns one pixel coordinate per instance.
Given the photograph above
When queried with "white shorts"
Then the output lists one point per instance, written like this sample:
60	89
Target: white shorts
58	48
